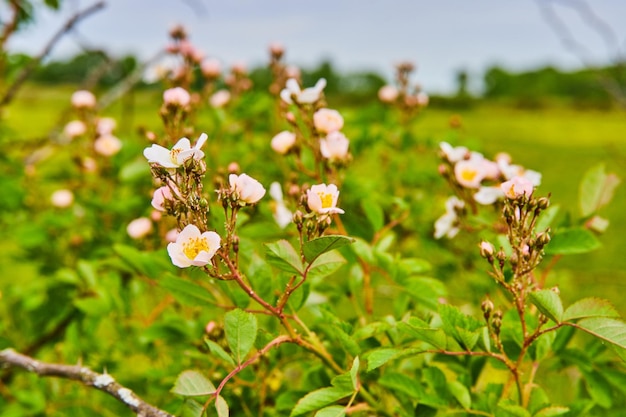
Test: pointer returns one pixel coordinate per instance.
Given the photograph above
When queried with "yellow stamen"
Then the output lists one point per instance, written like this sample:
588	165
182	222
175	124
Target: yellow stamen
326	199
194	246
174	154
468	174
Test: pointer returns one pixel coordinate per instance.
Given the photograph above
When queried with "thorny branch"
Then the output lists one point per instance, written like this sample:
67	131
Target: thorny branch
569	41
28	69
103	382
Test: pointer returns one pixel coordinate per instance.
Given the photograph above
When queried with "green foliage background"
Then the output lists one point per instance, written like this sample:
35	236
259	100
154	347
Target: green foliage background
126	307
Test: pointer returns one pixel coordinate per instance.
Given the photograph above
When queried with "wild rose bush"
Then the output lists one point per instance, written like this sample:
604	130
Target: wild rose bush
255	255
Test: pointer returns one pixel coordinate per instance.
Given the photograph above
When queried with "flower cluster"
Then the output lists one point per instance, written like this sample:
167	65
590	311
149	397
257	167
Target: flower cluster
91	128
193	68
180	171
477	180
321	134
319	150
410	99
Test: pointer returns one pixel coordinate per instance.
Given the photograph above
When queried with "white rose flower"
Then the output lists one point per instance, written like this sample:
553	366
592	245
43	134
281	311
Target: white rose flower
470	172
283	141
219	99
176	96
179	153
282	215
107	145
62	198
334	146
447	224
453	154
193	248
327	120
322	199
83	99
307	96
488	195
139	228
245	188
388	94
74	129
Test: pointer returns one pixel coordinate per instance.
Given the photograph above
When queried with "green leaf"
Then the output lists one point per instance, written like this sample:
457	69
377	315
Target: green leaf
318	399
363	250
423	331
423	410
512	410
343	381
599	389
325	265
374	213
314	248
607	329
542	346
332	411
461	327
549	303
221	407
379	357
192	384
218	351
241	329
354	373
191	408
547	217
616	378
344	339
570	241
596	189
398	382
590	307
186	292
54	4
134	171
425	290
88	272
283	256
460	393
150	264
551	411
412	266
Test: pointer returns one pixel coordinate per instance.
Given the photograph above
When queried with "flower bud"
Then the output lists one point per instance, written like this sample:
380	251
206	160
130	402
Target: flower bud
487	307
298	217
62	198
139	228
543	203
210	327
233	168
83	99
496	321
543	239
486	249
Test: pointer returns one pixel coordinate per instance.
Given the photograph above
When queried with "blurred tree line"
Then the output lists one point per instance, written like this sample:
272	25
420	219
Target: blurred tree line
526	89
533	89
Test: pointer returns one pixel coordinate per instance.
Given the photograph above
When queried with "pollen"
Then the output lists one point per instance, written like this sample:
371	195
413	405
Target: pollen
326	199
194	246
174	155
468	174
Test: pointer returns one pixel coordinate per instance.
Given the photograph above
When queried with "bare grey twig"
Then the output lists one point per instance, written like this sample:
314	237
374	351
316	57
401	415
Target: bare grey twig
103	382
610	84
28	69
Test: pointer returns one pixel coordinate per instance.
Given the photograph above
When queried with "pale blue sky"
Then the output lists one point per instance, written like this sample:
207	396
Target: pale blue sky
441	36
